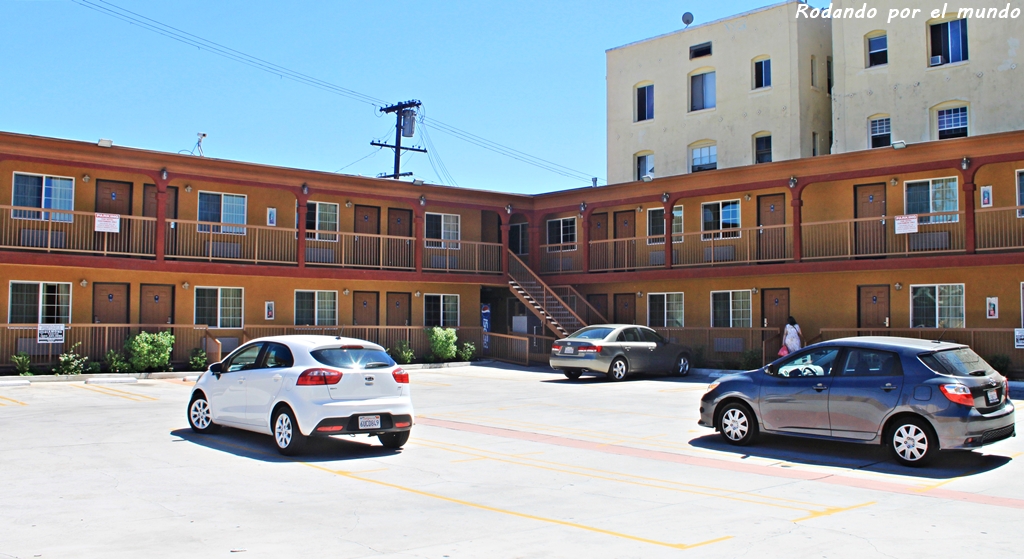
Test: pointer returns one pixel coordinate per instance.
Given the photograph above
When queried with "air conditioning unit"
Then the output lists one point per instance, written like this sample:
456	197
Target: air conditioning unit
938	60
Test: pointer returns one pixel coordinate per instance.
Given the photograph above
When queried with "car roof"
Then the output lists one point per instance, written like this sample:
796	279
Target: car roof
614	326
312	342
909	345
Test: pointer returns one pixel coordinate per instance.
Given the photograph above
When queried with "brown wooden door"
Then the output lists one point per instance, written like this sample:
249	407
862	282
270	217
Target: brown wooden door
600	303
110	303
366	250
625	250
365	308
399	309
870	203
600	253
156	304
774	308
771	243
170	211
113	197
399	253
625	308
873	306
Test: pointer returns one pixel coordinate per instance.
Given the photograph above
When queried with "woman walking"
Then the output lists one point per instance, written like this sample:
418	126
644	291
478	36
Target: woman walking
792	336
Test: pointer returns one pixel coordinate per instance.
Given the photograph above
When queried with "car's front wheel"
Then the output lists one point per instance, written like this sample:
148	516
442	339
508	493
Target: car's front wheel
394	440
681	367
286	432
912	442
618	370
737	424
200	418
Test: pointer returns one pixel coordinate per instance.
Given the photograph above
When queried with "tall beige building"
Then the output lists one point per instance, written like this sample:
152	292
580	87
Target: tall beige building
926	78
746	89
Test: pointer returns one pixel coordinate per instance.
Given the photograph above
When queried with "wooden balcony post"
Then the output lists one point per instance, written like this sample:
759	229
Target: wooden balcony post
797	203
418	233
301	227
585	245
535	255
161	219
668	235
970	241
505	229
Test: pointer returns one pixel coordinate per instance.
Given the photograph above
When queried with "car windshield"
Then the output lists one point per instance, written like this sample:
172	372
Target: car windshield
592	333
960	362
345	358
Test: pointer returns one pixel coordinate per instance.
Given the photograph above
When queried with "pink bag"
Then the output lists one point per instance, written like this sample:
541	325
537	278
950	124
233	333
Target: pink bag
783	351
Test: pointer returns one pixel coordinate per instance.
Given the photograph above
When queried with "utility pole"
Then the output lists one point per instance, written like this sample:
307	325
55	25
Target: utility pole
404	126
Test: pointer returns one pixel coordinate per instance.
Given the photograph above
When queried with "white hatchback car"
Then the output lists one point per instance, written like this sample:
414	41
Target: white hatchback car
294	387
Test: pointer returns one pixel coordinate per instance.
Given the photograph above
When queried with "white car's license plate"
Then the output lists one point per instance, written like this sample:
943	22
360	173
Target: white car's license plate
992	396
369	422
569	350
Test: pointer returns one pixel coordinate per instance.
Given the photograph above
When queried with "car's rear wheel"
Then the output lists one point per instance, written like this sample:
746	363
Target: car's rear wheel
286	432
394	440
200	418
737	424
572	374
618	370
681	366
912	442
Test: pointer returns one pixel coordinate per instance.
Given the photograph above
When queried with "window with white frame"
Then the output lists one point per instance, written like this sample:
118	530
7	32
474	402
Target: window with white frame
562	234
937	306
321	217
656	225
881	132
665	310
219	307
952	123
933	196
519	238
704	158
814	71
949	42
441	310
763	149
814	143
718	218
44	192
731	309
316	308
445	228
39	303
762	73
878	50
645	103
1020	193
702	91
644	166
222	208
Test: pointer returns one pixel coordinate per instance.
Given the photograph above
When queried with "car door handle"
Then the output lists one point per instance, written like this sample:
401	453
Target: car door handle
277	378
888	387
241	380
820	387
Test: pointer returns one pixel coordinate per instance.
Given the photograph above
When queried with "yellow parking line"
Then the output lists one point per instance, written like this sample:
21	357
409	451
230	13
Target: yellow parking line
115	393
832	510
12	401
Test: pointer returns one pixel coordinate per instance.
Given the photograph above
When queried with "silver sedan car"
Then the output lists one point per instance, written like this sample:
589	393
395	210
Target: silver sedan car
617	350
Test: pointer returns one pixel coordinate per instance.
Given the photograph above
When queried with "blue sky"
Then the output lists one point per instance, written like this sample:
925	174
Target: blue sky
529	75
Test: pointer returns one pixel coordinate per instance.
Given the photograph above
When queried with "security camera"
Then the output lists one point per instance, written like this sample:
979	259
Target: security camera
201	134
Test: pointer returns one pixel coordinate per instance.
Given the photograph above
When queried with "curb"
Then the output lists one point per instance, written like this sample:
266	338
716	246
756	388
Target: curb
123	377
415	366
6	383
118	380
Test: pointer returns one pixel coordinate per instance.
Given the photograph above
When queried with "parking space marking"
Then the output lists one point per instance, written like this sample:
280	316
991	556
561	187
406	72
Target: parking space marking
115	392
12	401
722	464
812	510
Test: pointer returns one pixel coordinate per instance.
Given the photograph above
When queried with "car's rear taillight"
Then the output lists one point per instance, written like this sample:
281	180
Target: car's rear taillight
316	376
1006	390
556	347
590	349
958	394
401	377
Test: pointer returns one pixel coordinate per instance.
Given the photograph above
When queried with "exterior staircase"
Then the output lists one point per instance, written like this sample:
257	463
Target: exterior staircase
541	299
579	304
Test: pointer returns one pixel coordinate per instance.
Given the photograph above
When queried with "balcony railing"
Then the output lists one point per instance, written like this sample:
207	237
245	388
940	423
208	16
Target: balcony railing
937	233
257	244
561	258
360	250
47	230
999	228
461	256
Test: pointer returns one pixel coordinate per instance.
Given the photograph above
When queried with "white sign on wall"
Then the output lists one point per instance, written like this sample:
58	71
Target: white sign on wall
50	334
906	224
1018	338
108	223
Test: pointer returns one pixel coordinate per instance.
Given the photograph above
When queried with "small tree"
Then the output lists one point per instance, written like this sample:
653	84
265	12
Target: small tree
22	364
148	352
402	353
466	351
70	362
442	343
197	359
115	362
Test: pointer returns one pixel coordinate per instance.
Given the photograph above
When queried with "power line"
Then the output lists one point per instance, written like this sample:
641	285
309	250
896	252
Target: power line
218	49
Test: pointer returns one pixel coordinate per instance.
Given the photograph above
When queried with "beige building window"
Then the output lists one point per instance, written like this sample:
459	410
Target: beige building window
763	149
878	50
762	73
814	72
880	131
952	123
702	91
704	158
814	143
948	42
645	102
701	50
644	166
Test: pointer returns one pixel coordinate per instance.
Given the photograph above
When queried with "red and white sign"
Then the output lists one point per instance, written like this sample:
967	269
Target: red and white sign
906	224
108	223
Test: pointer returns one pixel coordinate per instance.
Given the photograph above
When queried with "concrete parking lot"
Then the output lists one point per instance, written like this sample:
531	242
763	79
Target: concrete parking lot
503	462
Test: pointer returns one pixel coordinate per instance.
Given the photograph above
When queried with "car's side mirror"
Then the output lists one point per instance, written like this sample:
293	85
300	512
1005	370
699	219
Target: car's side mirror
769	369
216	369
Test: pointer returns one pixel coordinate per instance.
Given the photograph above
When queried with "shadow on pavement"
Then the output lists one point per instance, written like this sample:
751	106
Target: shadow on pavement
601	379
870	458
256	446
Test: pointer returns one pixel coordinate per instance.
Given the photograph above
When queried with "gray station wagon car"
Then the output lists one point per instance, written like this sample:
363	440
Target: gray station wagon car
617	350
917	396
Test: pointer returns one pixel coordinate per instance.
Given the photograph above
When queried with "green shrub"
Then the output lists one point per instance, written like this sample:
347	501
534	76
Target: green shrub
442	343
22	363
197	359
1000	363
697	360
70	362
402	353
751	359
94	367
149	352
467	351
115	362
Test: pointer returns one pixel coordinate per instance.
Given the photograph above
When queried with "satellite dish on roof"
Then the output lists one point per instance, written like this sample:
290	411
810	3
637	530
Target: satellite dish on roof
687	18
